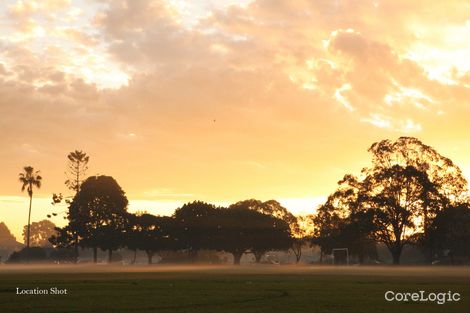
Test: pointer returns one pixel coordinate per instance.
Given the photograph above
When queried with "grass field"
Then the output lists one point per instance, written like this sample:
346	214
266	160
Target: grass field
241	289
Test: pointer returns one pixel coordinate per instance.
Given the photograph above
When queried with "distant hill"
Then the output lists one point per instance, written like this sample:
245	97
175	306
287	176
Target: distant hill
7	240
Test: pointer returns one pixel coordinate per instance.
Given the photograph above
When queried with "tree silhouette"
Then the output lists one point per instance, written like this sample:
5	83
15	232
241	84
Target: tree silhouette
445	177
271	234
194	226
438	182
237	229
77	167
397	195
29	179
40	232
408	182
301	234
150	233
334	213
98	215
450	232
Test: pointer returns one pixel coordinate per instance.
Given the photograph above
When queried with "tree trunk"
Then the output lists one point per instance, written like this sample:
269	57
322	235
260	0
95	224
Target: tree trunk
29	219
298	256
297	249
149	257
76	248
110	256
95	255
135	256
237	257
396	253
258	256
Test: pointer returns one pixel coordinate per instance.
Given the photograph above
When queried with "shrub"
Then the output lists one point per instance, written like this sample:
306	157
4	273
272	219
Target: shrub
34	254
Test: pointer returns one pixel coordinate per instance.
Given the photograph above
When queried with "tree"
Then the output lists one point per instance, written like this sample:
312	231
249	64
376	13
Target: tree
76	170
194	226
396	195
64	238
29	179
40	232
275	209
98	215
267	230
236	230
77	167
301	233
450	232
406	186
420	183
35	254
333	216
150	233
445	177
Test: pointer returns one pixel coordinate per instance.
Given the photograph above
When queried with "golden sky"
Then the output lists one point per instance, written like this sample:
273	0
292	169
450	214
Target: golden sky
224	100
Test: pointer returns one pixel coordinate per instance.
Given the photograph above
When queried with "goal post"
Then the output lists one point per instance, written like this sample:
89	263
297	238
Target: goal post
340	256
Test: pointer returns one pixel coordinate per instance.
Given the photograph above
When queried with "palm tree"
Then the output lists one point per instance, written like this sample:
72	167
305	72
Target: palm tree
29	179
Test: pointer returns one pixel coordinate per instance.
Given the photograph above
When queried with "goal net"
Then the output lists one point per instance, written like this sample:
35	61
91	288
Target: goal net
340	256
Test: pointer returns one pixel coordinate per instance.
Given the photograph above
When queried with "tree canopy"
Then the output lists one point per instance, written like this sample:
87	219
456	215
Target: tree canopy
97	215
40	232
406	186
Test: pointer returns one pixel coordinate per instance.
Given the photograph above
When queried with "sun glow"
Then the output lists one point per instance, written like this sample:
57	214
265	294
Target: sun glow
225	100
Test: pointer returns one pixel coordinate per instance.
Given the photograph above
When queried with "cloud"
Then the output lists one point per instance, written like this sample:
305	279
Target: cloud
293	85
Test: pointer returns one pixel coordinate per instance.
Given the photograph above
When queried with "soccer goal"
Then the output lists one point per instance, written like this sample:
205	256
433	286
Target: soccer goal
340	256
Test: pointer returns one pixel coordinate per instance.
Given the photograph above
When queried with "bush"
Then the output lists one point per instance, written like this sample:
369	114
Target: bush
32	254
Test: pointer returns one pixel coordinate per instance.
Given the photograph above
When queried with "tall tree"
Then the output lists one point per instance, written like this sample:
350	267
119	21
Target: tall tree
29	179
77	167
397	195
445	177
406	186
430	180
98	214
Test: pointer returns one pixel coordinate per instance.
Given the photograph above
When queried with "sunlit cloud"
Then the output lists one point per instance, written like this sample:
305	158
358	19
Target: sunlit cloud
405	126
343	100
227	100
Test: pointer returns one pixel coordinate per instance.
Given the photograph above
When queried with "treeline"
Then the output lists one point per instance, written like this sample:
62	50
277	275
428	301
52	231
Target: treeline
410	195
98	219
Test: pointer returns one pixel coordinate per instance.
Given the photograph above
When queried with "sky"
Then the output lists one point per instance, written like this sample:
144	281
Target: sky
222	101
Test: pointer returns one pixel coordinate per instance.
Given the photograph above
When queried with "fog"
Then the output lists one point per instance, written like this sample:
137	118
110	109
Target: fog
409	271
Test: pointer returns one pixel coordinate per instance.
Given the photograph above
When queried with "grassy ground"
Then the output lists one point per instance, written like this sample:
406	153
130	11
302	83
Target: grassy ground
228	289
